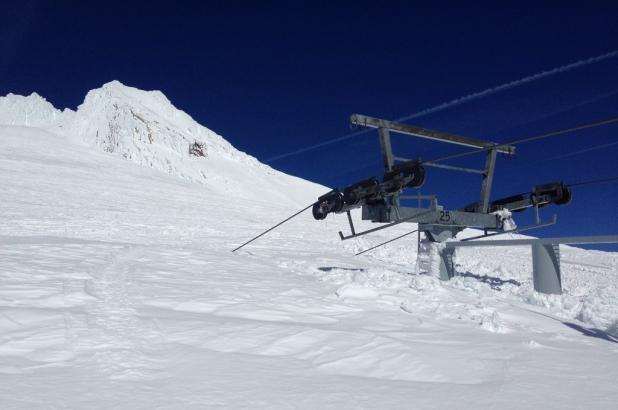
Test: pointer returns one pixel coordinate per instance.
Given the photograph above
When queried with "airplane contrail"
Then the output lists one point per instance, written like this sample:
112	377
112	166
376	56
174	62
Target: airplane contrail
512	84
459	101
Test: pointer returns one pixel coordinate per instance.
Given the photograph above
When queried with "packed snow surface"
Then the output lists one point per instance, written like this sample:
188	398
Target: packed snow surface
118	288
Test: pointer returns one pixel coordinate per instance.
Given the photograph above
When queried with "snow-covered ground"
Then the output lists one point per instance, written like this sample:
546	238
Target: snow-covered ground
118	287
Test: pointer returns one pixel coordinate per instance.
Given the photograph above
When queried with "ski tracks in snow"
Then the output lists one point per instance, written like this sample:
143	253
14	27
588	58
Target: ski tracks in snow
119	337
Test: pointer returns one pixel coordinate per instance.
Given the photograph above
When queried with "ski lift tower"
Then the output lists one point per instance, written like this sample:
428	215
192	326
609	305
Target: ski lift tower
380	201
436	222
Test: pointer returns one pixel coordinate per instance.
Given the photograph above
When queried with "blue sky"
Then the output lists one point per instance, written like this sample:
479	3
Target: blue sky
276	77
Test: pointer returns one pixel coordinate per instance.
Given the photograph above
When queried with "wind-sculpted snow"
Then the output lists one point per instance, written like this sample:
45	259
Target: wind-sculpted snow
118	290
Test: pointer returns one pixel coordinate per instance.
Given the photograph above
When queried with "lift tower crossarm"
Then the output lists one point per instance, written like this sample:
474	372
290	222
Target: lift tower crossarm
371	122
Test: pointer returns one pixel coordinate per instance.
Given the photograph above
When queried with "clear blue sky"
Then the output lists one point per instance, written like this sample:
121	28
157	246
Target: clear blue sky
275	77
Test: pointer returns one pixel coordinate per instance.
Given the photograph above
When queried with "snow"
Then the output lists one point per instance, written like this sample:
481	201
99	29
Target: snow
118	288
33	110
144	127
506	217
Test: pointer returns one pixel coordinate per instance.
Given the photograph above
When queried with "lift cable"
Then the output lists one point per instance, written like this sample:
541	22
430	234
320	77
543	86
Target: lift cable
459	101
574	153
275	226
389	241
594	182
462	154
577	184
533	138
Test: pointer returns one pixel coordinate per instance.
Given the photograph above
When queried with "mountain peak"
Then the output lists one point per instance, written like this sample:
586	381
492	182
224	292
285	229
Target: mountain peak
115	92
117	89
145	127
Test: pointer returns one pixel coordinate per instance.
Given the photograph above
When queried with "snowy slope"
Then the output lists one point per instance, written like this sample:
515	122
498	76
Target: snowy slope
118	290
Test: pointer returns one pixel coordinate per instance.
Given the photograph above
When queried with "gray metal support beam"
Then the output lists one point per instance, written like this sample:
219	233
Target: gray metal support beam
388	159
447	265
488	178
546	273
386	149
572	240
546	268
371	122
444	166
439	216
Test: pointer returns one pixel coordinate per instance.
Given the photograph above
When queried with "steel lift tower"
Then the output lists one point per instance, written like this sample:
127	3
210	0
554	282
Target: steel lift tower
380	203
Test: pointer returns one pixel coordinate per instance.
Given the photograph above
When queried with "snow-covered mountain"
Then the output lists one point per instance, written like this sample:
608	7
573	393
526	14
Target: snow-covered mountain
144	127
118	288
31	111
